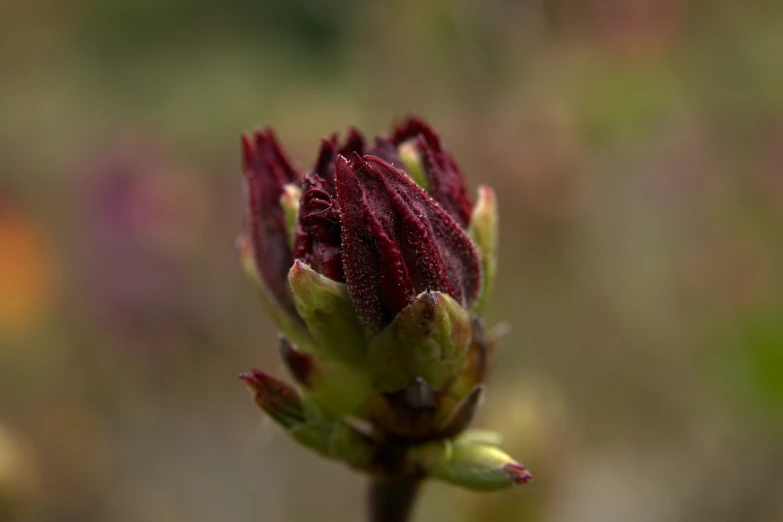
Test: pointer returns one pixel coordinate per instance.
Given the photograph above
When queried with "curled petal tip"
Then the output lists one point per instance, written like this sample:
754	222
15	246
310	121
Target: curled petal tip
517	473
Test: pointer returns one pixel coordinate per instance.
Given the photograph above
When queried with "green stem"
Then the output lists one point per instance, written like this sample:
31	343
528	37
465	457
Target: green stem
392	499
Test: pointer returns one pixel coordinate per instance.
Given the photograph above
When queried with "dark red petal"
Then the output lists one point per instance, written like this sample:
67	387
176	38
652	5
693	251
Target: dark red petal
325	161
374	269
436	251
318	239
330	148
446	182
267	170
279	157
354	142
401	218
387	151
413	127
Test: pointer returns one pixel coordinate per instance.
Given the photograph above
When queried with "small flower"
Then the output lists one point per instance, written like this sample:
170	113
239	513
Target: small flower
377	266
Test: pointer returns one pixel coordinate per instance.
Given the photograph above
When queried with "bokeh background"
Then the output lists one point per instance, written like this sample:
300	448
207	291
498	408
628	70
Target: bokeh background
637	150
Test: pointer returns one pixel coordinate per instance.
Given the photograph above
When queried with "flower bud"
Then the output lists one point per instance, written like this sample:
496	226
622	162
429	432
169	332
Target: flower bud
377	266
471	464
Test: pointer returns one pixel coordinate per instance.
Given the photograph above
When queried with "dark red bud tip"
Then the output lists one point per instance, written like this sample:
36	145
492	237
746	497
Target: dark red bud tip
412	127
267	170
279	400
446	183
300	365
517	473
324	163
354	142
248	152
268	387
251	381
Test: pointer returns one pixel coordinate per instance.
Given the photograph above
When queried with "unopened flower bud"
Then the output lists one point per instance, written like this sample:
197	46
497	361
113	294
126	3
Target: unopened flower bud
377	267
472	464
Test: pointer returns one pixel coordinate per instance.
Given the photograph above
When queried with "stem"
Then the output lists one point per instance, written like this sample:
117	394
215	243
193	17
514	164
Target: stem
392	499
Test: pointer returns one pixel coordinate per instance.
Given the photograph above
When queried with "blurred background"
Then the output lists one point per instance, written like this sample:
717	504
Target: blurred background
637	150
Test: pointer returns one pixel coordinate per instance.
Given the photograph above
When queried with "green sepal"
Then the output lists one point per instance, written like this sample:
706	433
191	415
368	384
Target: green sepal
483	230
291	326
471	464
326	308
429	339
276	398
339	389
289	202
336	440
411	161
307	423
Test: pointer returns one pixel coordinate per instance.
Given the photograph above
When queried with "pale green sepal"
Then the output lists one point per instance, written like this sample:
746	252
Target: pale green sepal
326	308
340	390
483	230
429	339
411	160
291	327
473	465
336	440
289	202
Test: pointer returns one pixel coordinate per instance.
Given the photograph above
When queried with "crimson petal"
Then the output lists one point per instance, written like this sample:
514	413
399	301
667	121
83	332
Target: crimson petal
266	170
375	272
398	243
446	181
318	237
